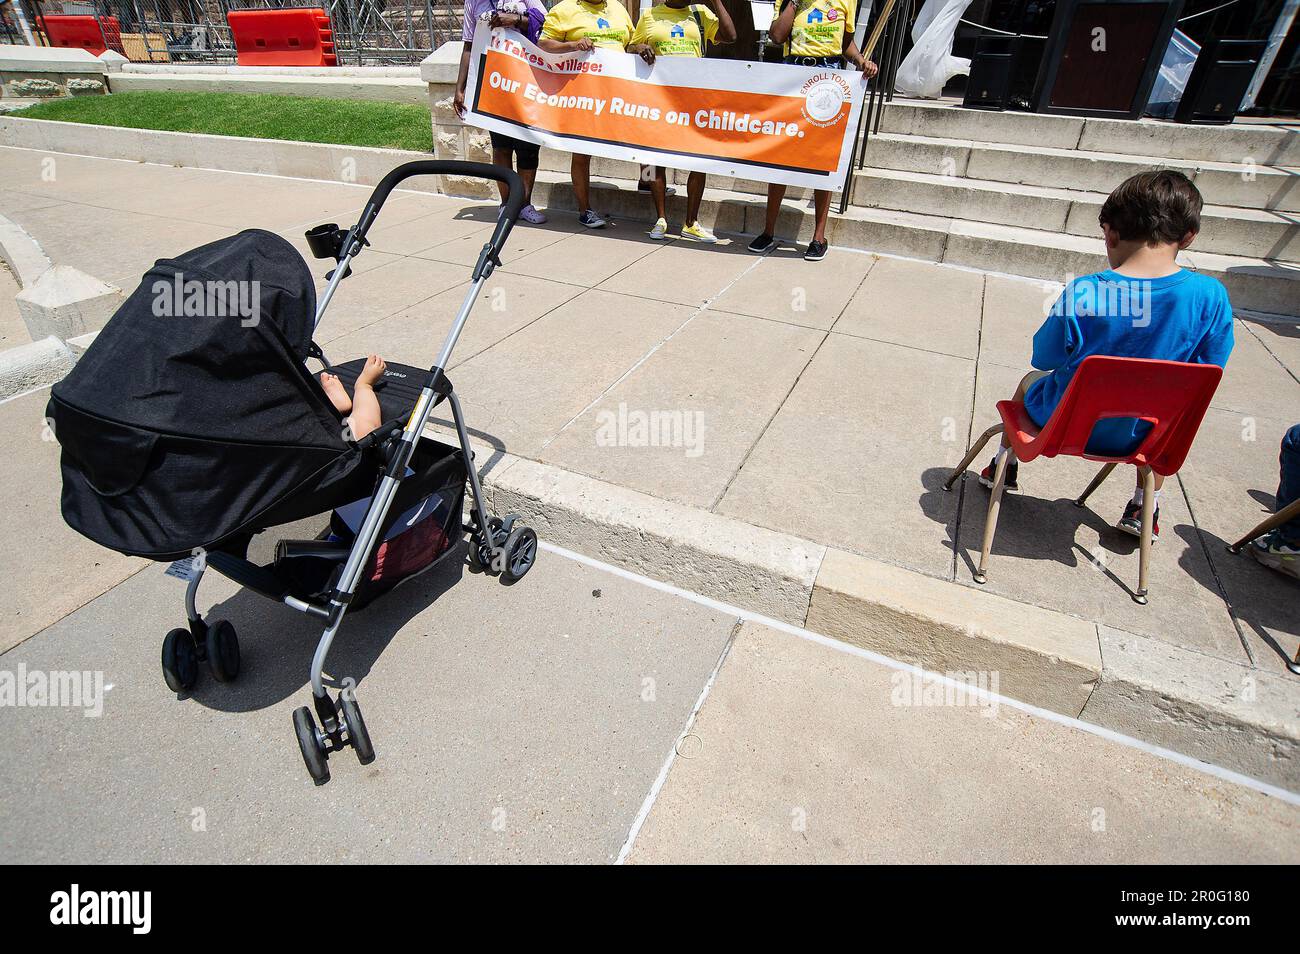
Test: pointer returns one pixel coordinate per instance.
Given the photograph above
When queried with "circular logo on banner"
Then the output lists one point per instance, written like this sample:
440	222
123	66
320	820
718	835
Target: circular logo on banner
823	99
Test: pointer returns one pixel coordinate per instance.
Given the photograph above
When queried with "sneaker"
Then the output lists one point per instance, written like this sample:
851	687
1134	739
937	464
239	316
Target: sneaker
1131	522
762	243
1272	551
660	231
696	232
591	220
1013	471
530	214
816	252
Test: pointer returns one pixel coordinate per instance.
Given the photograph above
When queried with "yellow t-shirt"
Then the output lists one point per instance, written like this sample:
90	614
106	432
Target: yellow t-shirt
606	23
819	28
673	31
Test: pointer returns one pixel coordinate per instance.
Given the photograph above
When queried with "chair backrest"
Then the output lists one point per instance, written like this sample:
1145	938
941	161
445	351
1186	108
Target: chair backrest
1171	395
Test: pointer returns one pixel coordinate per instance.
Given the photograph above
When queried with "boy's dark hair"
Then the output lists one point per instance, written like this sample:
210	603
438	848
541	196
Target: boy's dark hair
1153	207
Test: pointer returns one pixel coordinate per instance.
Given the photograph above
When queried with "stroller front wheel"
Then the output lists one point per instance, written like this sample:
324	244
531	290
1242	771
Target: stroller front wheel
180	660
223	651
311	744
358	736
520	554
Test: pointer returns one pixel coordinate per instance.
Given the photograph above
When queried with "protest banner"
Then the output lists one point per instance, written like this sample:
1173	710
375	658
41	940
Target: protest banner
766	121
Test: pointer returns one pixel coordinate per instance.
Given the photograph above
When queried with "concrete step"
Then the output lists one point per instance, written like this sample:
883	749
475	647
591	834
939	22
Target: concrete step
1221	183
1255	233
1254	284
557	161
1277	145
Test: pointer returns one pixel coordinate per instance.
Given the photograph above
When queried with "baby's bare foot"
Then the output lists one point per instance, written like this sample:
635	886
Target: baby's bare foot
371	372
335	391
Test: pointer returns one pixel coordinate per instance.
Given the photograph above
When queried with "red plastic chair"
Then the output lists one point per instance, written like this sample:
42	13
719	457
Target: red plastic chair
1171	395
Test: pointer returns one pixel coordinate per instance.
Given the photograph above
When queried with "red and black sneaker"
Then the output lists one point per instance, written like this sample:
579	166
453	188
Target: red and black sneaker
1131	522
1013	471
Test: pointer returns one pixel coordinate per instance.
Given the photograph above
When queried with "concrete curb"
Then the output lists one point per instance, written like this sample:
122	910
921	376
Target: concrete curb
1207	708
761	570
22	253
1210	708
34	365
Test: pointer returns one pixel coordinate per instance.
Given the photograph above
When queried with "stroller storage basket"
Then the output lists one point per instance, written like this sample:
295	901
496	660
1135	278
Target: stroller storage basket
423	524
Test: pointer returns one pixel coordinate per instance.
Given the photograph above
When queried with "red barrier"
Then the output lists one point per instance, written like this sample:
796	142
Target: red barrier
83	33
295	37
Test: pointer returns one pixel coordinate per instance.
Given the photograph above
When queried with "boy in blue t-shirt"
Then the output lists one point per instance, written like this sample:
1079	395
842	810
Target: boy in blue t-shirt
1143	306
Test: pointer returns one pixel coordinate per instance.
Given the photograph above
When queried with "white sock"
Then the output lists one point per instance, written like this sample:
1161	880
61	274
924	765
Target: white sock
1139	495
1002	452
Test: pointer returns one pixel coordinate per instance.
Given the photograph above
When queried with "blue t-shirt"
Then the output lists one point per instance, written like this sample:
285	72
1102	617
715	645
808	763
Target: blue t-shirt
1181	317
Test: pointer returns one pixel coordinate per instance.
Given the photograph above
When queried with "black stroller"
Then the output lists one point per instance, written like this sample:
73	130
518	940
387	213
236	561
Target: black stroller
186	430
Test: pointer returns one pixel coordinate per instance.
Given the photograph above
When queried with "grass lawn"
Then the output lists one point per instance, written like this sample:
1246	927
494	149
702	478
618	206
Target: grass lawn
257	115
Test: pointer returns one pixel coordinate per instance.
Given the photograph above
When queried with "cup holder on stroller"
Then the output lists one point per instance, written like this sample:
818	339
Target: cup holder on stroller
326	241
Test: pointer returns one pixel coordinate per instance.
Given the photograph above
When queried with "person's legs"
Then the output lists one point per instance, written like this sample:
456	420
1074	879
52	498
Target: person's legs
659	192
1004	447
765	241
366	413
775	193
580	171
694	196
1288	487
822	206
502	156
527	159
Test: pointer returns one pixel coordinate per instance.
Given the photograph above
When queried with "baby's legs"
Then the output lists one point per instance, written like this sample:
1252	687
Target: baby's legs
366	414
336	392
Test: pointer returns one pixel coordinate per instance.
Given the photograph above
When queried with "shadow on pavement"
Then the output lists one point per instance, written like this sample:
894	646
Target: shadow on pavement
1263	600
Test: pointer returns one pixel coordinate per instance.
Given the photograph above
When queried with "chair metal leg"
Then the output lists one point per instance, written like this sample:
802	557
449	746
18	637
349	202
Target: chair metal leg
1148	519
970	455
1285	515
991	521
1096	482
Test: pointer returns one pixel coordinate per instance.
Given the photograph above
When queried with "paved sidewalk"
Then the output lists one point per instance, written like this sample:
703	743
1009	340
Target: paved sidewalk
827	400
534	723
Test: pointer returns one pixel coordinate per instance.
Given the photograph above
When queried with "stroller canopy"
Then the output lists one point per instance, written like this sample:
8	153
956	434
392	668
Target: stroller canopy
192	417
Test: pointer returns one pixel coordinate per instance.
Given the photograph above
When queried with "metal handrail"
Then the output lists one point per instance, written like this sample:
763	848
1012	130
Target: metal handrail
887	35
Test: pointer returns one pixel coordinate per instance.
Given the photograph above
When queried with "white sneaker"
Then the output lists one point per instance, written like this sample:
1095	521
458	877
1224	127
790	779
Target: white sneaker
530	214
660	231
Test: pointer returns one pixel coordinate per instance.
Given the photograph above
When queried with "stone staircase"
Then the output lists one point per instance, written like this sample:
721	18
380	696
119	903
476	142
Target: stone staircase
1019	193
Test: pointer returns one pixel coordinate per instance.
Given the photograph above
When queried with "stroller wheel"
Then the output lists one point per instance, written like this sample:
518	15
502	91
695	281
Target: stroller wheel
521	554
311	745
180	660
358	737
223	651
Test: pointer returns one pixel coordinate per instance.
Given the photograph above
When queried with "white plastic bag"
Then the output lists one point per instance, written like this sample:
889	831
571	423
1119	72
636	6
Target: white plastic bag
930	64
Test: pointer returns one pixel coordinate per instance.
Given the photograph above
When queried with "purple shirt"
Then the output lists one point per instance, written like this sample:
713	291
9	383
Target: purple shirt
476	8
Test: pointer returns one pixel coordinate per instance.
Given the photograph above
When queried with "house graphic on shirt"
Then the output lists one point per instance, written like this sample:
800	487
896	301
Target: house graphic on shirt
814	16
602	23
677	31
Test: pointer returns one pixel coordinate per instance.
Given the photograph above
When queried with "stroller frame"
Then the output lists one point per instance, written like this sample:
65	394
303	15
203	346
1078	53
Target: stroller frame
502	545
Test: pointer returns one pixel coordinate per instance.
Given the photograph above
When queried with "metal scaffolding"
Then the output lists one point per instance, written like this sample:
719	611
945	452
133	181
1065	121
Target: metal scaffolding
366	32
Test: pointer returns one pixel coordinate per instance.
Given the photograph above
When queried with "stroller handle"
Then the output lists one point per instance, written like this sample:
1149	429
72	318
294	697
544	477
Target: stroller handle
450	167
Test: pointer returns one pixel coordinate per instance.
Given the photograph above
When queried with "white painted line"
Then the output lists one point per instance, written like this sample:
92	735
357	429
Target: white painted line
662	777
1208	768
